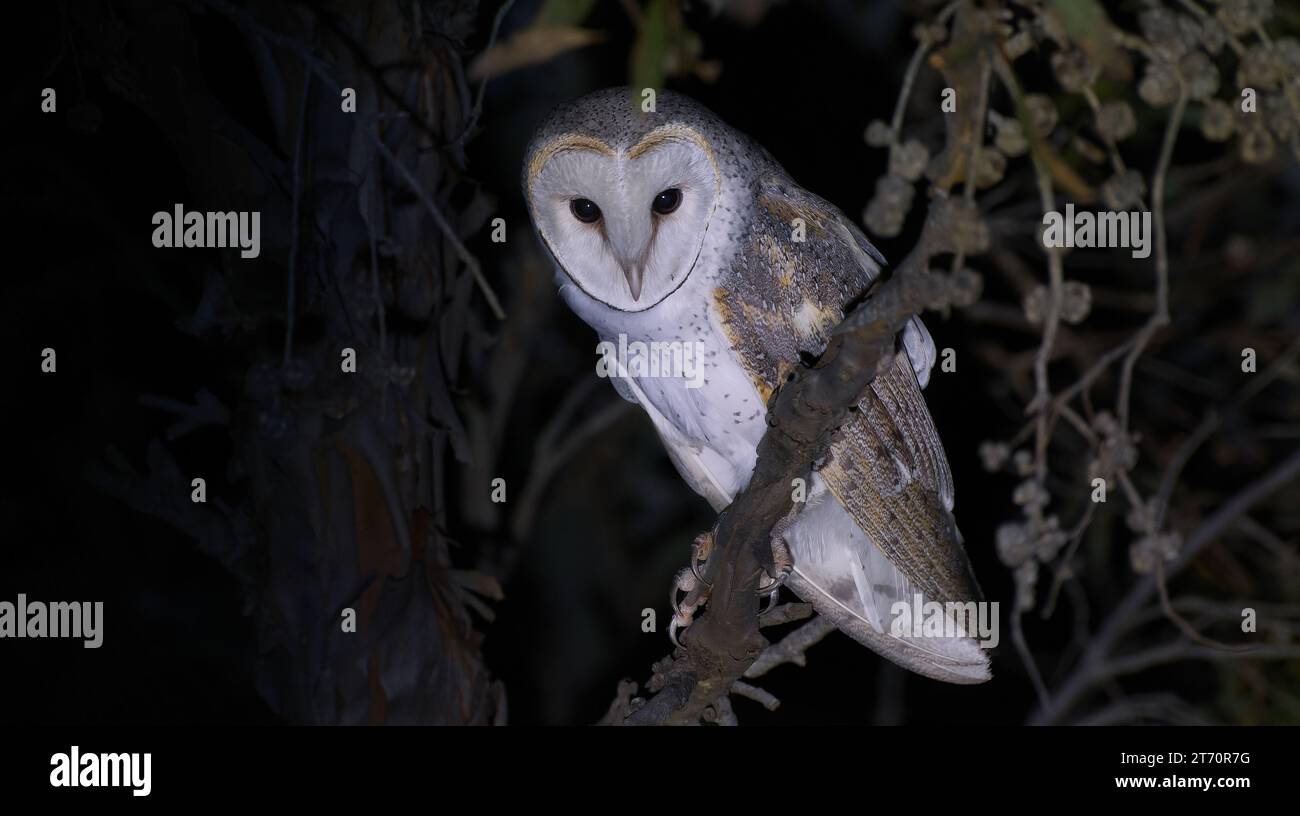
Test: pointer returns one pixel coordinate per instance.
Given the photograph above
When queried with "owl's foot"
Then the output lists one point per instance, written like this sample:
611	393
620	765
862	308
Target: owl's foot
690	584
691	591
775	556
700	550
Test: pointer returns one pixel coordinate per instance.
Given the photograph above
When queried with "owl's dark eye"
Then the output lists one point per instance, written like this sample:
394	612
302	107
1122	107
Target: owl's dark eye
667	201
585	210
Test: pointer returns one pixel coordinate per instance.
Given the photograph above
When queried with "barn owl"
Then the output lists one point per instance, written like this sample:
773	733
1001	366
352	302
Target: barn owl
670	227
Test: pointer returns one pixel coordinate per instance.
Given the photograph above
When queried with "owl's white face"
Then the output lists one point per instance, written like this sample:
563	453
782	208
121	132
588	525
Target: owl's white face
625	225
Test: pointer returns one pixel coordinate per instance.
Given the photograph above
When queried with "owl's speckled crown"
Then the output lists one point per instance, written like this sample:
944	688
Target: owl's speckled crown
612	119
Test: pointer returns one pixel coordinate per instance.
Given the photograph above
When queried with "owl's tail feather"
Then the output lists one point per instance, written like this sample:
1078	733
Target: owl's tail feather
849	580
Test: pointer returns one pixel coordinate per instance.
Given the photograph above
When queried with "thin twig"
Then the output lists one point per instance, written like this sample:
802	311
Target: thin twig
1186	628
557	444
291	297
909	76
376	288
466	257
791	648
1064	568
764	698
477	110
1026	656
1160	317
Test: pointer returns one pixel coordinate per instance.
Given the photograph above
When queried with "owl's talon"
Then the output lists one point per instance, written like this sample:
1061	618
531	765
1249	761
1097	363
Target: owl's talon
769	584
695	592
672	634
775	559
700	551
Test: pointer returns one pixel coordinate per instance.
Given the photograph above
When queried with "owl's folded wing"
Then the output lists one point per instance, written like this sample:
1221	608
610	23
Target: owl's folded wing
882	530
888	469
877	542
887	464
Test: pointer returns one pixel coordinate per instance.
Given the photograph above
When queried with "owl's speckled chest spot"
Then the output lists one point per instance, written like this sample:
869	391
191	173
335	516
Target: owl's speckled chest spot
715	422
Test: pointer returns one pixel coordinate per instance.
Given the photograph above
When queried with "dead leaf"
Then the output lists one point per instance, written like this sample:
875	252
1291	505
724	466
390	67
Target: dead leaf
532	46
1089	27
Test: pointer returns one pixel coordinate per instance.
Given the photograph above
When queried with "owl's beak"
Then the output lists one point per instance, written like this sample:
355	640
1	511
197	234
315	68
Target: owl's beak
629	240
635	277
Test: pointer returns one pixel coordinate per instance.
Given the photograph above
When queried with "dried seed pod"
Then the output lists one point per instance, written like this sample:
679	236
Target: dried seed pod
878	133
1050	541
1141	517
1014	543
908	159
965	287
1124	190
1031	493
1212	36
1149	550
1072	69
1169	33
1257	145
1261	68
1217	121
993	455
1022	461
1010	138
1115	120
1200	74
888	208
1076	302
1278	116
930	33
962	227
1159	86
1242	16
992	166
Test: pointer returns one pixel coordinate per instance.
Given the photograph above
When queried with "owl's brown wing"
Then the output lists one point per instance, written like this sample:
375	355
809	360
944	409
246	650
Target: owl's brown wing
887	465
888	469
889	535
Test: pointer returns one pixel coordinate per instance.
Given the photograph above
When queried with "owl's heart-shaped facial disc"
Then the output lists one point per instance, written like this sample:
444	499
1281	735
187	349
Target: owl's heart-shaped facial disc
626	225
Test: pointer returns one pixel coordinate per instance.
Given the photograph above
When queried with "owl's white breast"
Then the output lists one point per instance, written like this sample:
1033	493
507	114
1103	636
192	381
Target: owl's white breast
716	426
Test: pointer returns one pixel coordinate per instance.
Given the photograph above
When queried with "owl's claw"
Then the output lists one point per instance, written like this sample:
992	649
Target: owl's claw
775	558
700	550
694	589
672	633
695	592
